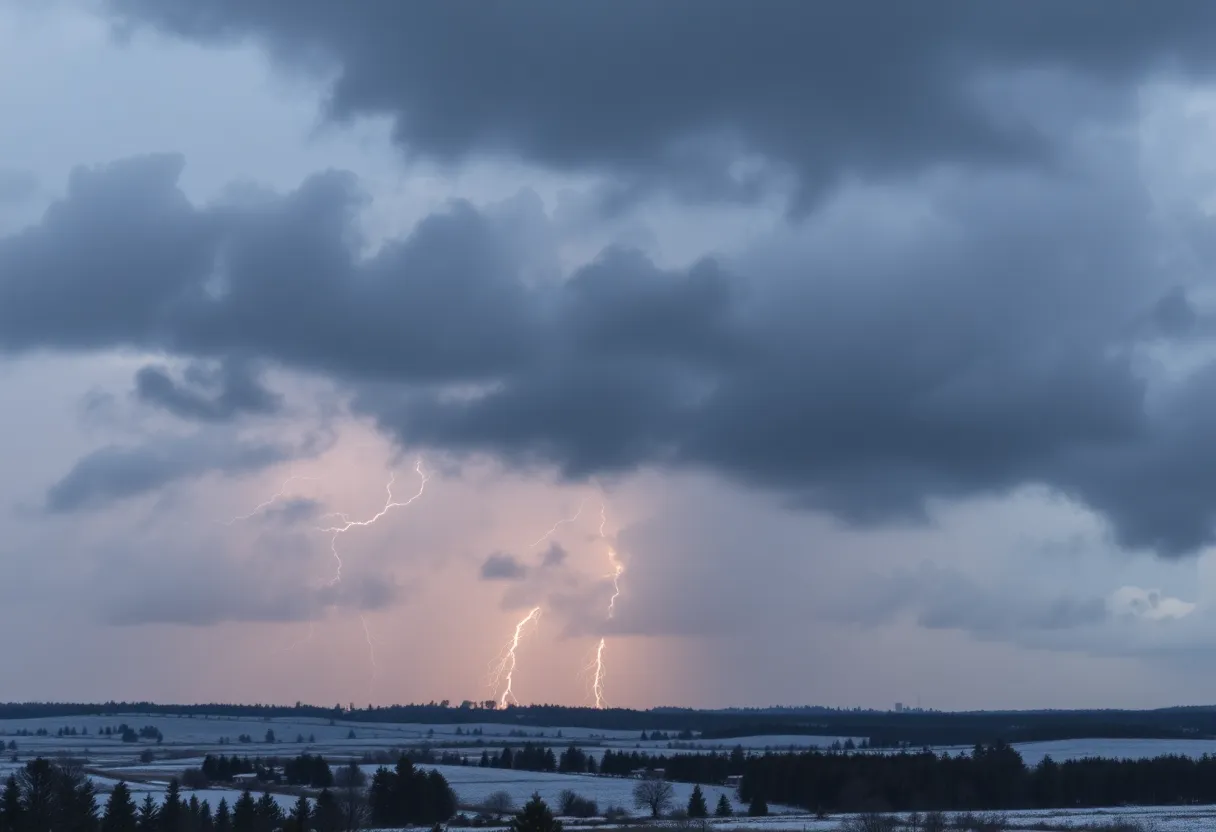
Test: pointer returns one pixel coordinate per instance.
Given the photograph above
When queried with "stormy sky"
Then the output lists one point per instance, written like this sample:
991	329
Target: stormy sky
875	340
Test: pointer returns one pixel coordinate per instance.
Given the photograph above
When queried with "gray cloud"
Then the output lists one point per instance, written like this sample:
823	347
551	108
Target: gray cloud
120	472
967	353
205	593
207	394
503	567
294	510
17	185
944	598
554	556
670	95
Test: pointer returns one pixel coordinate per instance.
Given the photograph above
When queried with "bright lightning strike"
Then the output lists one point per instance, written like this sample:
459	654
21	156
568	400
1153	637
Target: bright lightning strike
597	683
389	503
260	507
505	668
597	667
559	523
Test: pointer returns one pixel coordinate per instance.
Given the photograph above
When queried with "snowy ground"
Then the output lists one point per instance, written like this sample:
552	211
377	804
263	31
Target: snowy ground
473	785
187	739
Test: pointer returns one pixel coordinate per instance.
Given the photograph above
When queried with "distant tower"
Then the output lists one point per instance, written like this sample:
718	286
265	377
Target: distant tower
899	707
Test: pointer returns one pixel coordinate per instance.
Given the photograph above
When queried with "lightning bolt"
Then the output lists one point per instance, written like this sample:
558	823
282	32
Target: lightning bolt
559	523
389	503
597	665
311	626
505	668
265	505
371	654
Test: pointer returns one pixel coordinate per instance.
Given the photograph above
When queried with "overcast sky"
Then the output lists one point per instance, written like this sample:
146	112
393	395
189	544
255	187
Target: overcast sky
876	339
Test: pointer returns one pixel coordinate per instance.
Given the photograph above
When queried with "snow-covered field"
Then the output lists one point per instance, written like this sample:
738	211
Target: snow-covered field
473	785
186	739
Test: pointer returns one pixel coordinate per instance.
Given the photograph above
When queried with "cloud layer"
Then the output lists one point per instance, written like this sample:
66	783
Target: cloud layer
985	337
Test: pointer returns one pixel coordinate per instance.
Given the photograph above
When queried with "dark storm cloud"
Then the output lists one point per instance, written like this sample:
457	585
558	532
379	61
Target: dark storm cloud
964	337
120	472
503	567
206	394
669	93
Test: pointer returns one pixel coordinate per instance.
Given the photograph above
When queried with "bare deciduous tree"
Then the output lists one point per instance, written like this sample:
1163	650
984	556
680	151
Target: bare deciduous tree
653	793
352	803
498	804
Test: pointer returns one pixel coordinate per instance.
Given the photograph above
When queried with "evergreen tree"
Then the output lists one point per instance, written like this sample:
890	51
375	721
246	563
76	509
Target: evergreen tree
172	811
203	820
39	783
327	815
148	819
301	816
383	799
696	804
12	813
758	807
724	809
75	801
245	814
441	799
269	815
223	818
120	811
535	817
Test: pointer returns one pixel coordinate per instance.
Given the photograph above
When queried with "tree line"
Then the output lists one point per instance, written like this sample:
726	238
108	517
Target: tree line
992	777
303	770
43	796
880	728
530	757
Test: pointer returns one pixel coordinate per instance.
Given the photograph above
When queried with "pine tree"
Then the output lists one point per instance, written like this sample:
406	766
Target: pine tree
149	818
535	817
383	799
696	804
724	809
171	810
12	814
269	815
441	800
245	814
190	821
758	807
120	815
223	818
203	818
40	784
327	815
301	816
